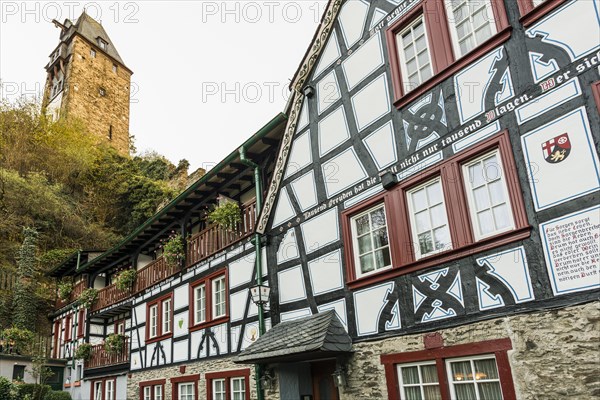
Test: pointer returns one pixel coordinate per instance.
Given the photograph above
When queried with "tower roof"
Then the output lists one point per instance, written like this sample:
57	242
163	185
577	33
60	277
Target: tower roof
91	30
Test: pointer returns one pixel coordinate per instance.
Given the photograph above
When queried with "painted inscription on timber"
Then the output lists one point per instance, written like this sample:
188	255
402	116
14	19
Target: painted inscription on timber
572	251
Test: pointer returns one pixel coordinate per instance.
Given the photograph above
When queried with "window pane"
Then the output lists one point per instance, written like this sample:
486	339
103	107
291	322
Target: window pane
501	216
465	391
422	220
362	225
476	175
461	371
410	375
366	263
497	192
364	244
442	237
482	200
486	369
486	222
413	393
489	391
434	193
380	238
438	215
419	200
425	243
432	392
378	218
429	373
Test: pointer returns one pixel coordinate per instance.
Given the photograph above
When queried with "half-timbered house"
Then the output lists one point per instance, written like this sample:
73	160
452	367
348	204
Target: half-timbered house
437	188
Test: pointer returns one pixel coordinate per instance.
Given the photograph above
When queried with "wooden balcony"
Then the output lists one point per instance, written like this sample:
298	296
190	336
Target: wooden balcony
146	277
214	238
75	293
201	246
101	358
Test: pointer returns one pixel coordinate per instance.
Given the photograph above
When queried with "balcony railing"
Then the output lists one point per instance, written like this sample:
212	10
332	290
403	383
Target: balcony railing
75	293
214	238
101	358
201	246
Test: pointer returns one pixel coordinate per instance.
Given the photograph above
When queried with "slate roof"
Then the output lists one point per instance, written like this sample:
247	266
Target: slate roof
320	334
91	29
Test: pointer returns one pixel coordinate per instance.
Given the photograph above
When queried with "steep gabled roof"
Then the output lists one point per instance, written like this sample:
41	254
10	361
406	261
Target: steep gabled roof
91	29
309	62
320	335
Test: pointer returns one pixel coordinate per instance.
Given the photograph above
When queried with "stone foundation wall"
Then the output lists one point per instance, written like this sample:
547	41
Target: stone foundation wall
192	368
556	354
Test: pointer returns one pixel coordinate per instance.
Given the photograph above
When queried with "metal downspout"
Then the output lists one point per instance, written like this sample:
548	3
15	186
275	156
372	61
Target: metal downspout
258	252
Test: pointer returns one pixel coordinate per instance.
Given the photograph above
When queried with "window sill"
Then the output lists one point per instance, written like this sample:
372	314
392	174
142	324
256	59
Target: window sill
493	42
535	14
159	338
444	257
208	324
77	384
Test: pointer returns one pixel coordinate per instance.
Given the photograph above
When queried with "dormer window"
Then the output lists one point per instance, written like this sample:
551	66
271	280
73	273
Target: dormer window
102	44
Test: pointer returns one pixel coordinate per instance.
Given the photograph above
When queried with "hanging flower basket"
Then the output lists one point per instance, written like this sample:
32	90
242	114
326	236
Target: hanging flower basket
84	352
227	215
88	297
126	279
173	250
115	343
64	290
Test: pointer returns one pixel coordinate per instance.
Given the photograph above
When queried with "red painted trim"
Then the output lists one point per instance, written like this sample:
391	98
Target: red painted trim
80	323
498	347
207	281
184	379
443	59
103	380
457	208
531	14
596	93
116	325
68	327
57	332
160	336
152	384
227	375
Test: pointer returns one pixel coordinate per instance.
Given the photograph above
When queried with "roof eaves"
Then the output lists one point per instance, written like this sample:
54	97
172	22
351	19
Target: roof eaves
278	119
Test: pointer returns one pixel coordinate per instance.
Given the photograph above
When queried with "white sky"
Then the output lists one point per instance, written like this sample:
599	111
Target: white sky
207	74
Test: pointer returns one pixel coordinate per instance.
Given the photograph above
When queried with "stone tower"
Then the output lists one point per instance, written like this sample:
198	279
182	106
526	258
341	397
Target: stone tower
88	80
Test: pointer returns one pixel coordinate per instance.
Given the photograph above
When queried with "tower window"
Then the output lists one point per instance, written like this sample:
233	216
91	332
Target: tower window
115	68
103	45
102	91
110	132
93	53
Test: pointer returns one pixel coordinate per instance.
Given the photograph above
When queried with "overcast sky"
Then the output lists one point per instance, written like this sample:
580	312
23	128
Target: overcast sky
207	74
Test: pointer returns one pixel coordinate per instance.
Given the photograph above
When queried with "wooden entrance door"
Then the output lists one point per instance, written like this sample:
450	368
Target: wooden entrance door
322	380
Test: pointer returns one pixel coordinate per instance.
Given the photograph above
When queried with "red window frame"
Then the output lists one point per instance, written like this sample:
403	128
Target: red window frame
531	13
498	348
68	327
152	384
159	334
103	380
457	209
120	322
596	93
207	282
184	379
80	323
227	375
57	332
443	60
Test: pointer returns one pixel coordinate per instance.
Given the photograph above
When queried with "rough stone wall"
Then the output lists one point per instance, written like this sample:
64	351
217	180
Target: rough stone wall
556	354
192	368
84	78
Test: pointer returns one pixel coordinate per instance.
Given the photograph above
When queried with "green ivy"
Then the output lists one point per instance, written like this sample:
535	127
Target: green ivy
25	301
19	340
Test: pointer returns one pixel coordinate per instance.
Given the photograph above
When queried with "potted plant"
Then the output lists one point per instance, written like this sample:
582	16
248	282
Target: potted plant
125	279
115	343
173	249
88	297
227	215
65	289
84	352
